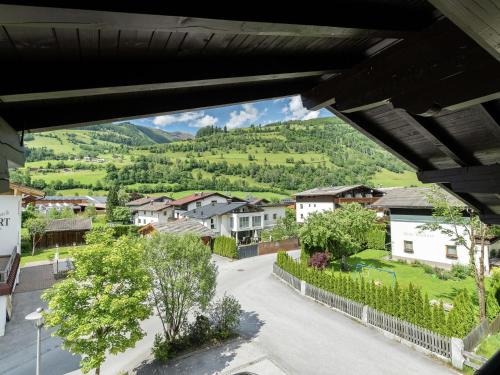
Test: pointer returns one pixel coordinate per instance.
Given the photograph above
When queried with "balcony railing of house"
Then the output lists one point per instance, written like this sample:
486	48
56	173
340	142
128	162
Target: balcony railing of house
5	270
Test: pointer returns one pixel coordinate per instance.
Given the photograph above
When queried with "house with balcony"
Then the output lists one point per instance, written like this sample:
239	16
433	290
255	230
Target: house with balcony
240	220
332	197
272	211
10	250
408	209
197	200
153	212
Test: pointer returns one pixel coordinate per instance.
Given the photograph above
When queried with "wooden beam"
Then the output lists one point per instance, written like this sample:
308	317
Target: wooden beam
382	138
431	130
477	179
440	68
163	18
44	115
479	19
63	80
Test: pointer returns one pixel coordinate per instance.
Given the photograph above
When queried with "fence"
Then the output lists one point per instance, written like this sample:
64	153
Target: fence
351	308
275	246
285	276
495	325
247	251
417	335
475	336
424	338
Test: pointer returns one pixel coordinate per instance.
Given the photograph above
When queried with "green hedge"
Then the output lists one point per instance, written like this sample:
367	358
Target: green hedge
406	303
225	246
120	229
375	239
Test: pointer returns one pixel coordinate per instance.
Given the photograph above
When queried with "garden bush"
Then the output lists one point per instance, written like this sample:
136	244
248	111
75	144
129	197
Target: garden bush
407	303
320	260
226	247
224	315
375	239
460	271
160	349
200	330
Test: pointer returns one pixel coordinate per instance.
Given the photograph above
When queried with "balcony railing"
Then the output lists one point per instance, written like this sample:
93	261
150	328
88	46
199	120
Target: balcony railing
5	270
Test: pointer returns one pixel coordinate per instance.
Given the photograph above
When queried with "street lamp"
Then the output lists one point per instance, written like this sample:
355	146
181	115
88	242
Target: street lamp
37	317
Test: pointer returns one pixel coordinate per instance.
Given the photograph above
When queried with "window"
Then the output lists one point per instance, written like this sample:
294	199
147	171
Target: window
212	223
301	216
314	204
244	222
301	205
309	204
408	246
275	216
164	213
198	204
266	217
451	251
256	221
213	202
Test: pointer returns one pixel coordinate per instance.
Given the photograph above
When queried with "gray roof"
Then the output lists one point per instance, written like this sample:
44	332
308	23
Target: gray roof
153	206
213	209
144	200
61	225
330	190
182	226
414	197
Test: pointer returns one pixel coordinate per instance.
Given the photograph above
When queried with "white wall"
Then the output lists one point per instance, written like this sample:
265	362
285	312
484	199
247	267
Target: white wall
270	211
205	201
3	314
142	217
305	208
10	224
428	246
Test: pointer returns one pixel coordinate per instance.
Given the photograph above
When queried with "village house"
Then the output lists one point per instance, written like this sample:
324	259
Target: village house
75	203
197	200
10	252
408	209
65	232
153	212
330	198
243	221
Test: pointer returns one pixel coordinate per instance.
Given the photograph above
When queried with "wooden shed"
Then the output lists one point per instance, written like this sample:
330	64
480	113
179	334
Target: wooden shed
65	232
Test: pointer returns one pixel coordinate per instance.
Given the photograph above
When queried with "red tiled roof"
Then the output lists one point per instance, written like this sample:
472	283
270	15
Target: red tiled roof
6	288
193	198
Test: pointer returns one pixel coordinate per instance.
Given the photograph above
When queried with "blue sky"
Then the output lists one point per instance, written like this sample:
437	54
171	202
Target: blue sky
235	116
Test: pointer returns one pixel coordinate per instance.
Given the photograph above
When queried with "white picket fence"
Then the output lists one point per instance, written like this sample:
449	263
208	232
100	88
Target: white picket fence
424	338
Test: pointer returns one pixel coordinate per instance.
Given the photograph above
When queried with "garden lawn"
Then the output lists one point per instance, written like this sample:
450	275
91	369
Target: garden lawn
405	274
48	254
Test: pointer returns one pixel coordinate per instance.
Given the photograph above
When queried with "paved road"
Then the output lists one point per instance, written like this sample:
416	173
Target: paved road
293	333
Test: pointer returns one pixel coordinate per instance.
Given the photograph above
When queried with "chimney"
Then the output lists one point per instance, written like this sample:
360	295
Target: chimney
229	200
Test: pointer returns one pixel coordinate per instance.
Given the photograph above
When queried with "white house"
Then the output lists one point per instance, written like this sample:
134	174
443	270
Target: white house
10	250
408	209
197	200
241	220
153	212
330	198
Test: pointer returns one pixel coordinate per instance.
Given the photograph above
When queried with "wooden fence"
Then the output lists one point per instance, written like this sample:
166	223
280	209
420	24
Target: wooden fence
285	276
351	308
410	332
482	330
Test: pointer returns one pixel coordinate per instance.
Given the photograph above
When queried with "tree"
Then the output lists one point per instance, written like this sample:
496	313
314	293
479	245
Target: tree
91	211
341	232
112	201
36	228
464	228
123	197
121	215
183	278
99	307
286	227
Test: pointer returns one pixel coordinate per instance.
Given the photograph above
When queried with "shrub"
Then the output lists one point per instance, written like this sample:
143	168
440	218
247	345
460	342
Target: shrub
375	239
160	349
320	260
428	269
226	247
406	303
224	315
460	271
200	330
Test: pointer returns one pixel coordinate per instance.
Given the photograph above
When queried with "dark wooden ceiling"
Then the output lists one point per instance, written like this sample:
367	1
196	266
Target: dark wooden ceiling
420	78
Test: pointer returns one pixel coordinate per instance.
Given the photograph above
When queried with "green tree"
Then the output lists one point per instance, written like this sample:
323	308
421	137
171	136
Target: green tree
341	232
285	228
464	228
121	215
183	278
112	201
99	307
36	228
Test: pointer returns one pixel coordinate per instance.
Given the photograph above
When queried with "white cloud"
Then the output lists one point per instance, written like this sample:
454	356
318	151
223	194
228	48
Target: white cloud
166	120
246	115
206	120
295	110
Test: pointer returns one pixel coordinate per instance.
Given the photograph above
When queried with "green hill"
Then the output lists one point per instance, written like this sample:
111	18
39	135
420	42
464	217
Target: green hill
273	160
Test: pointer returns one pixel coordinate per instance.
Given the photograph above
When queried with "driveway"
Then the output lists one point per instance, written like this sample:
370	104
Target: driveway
282	333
